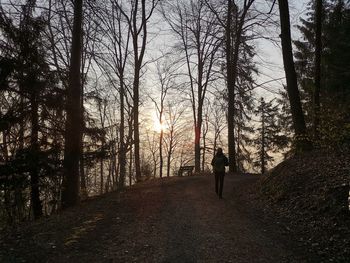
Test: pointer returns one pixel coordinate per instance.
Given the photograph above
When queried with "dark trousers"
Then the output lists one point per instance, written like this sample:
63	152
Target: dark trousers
219	183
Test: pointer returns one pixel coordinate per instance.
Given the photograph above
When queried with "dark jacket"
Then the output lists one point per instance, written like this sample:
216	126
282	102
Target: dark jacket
219	162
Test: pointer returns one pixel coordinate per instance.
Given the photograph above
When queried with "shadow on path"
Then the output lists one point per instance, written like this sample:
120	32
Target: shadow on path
169	220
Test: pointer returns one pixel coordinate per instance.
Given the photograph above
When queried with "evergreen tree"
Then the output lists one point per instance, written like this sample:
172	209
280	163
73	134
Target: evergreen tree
285	122
30	89
269	139
244	104
335	65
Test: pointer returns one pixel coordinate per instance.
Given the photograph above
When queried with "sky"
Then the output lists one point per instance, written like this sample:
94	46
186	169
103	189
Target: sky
271	55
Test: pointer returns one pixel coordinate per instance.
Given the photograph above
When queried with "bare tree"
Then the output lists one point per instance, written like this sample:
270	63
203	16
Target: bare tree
138	29
218	122
113	57
197	30
165	78
152	147
205	132
102	109
174	136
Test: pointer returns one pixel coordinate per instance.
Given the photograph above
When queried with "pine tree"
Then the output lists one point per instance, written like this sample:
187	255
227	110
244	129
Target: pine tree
335	63
269	139
285	122
244	104
30	90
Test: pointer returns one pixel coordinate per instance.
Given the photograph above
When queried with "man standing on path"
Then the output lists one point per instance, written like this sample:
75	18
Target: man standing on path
219	162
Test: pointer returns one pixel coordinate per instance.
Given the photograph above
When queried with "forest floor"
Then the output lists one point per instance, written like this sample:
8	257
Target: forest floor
310	194
169	220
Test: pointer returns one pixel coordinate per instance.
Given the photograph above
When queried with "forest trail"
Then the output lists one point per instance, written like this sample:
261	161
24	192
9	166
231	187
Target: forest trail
170	220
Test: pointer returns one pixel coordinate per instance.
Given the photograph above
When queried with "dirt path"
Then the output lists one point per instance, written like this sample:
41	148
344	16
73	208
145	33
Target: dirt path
170	220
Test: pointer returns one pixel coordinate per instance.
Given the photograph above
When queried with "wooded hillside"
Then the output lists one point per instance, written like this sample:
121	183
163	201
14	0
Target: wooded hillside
99	95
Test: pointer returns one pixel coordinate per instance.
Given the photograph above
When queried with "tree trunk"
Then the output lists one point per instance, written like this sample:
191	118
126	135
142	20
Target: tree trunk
170	152
101	175
21	124
262	138
197	148
204	132
231	90
238	150
82	176
161	153
73	129
203	152
122	150
4	145
318	54
130	167
136	126
108	181
34	158
168	163
232	57
198	126
113	169
302	143
138	58
81	160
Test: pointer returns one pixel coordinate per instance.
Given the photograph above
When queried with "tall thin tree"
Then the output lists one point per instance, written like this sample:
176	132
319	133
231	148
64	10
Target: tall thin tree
233	23
138	29
199	39
73	127
317	81
302	142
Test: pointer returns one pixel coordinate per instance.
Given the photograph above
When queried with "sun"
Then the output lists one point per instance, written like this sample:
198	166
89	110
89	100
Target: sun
157	126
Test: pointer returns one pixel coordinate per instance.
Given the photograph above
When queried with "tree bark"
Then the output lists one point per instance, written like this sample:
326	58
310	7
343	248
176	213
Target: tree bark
230	67
197	146
138	58
82	174
262	160
198	125
83	189
101	173
136	126
122	150
302	143
34	158
73	129
130	166
161	144
81	159
204	137
318	54
169	157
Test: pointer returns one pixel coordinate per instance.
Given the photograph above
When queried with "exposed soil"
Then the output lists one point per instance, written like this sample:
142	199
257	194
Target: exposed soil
169	220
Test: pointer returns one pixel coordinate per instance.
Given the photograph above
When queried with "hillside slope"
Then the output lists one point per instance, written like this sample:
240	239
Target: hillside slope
311	193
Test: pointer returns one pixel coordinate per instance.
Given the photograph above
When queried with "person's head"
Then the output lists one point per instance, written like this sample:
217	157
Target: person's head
219	151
